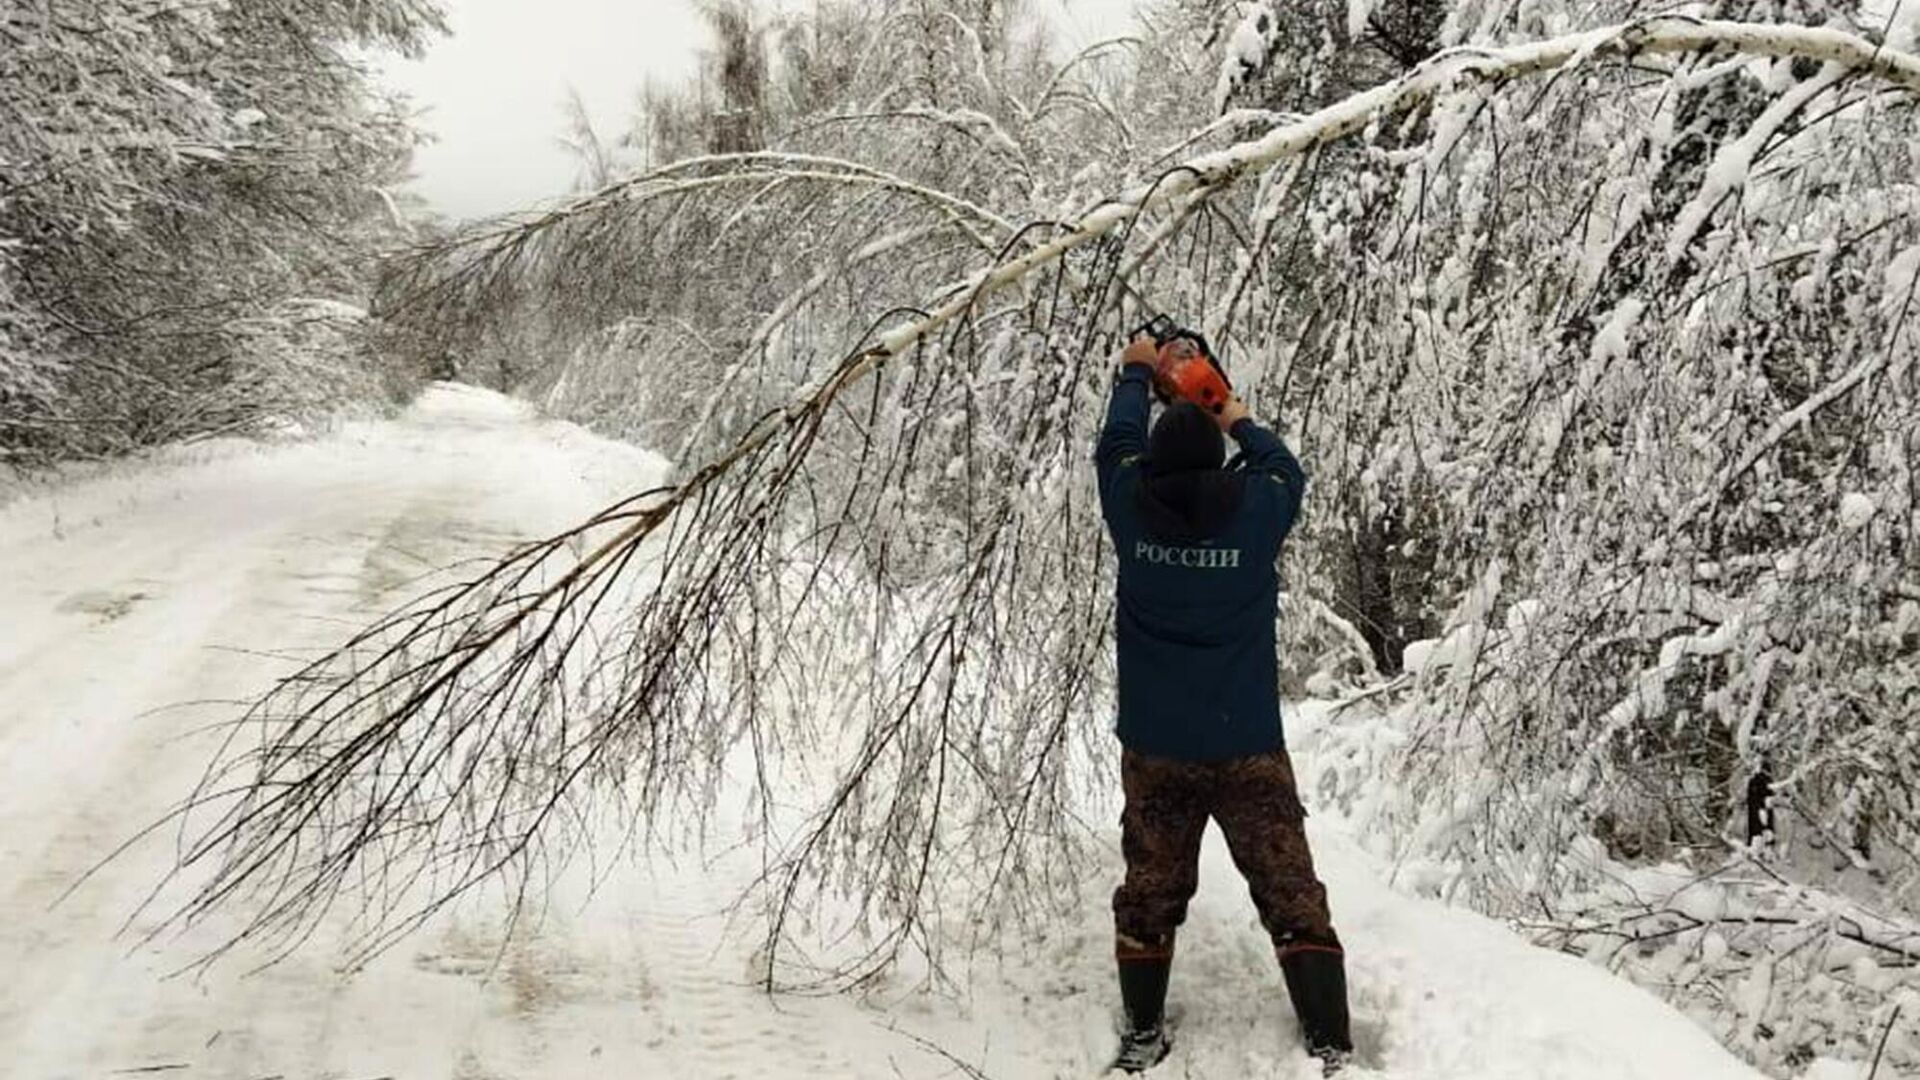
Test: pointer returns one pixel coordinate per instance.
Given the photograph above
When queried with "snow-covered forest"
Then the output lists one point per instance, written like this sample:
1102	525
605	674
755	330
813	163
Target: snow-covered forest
1595	326
193	199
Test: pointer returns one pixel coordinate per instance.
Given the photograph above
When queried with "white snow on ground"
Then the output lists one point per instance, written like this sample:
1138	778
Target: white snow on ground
125	597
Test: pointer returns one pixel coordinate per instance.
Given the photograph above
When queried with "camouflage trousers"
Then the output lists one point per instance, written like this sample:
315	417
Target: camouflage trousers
1258	808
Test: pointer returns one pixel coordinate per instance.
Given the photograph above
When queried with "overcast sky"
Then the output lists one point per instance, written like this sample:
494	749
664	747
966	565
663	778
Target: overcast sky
492	92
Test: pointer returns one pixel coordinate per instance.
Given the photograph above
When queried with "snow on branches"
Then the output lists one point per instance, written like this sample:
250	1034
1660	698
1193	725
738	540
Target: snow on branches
1587	341
166	180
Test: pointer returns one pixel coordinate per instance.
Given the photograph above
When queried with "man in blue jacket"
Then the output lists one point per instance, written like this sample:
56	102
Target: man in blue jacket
1199	708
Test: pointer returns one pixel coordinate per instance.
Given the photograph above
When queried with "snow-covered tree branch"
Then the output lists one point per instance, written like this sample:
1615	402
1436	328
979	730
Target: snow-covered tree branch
1599	349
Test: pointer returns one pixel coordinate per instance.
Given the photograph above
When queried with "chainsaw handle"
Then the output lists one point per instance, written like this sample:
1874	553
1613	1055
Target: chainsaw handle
1160	328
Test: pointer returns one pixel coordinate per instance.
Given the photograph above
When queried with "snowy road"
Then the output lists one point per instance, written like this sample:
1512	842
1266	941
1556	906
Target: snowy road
123	598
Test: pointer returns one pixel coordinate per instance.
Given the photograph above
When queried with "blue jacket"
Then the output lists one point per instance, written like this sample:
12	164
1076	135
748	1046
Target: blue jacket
1194	618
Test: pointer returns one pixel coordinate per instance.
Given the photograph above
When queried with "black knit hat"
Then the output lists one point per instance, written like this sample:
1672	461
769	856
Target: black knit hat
1185	439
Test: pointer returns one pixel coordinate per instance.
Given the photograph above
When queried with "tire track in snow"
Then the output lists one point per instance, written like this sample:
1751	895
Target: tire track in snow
120	762
281	548
719	1024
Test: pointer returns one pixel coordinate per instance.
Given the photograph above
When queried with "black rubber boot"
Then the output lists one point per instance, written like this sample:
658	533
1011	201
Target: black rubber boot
1143	993
1317	983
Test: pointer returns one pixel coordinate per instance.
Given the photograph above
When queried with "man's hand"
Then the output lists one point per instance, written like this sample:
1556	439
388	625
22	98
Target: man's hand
1231	413
1142	350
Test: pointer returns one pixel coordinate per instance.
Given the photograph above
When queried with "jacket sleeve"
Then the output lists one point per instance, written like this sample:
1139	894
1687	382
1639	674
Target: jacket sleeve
1268	459
1123	441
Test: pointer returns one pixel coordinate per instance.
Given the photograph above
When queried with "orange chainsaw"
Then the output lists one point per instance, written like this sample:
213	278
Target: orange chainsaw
1186	369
